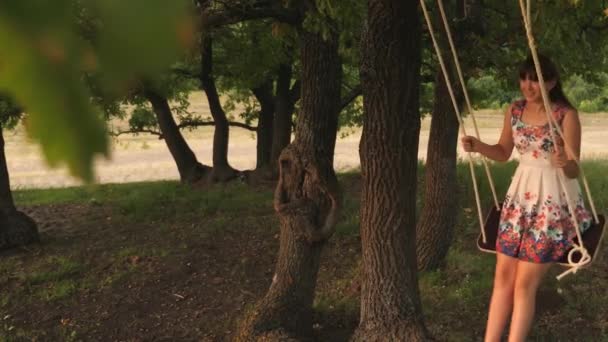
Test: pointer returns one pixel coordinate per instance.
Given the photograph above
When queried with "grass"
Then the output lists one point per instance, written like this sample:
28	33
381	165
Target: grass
154	200
160	222
463	287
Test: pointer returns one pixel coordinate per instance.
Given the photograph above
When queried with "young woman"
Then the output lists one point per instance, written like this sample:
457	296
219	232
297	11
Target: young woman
535	228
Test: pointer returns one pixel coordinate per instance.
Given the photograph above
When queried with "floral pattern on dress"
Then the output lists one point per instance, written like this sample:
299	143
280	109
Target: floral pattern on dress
527	138
535	223
541	234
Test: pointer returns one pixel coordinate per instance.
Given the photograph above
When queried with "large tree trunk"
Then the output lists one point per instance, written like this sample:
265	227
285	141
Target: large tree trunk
436	223
222	171
284	107
390	302
16	228
306	200
190	170
265	97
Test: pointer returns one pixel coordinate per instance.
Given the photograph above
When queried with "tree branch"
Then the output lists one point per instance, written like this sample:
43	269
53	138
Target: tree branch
236	12
137	131
497	10
184	72
351	96
197	123
294	92
186	124
596	28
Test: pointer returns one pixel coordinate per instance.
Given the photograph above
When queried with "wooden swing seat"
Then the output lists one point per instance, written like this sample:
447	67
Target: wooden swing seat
592	237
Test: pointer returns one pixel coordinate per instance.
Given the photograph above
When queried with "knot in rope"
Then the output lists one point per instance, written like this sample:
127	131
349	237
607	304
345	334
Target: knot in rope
576	265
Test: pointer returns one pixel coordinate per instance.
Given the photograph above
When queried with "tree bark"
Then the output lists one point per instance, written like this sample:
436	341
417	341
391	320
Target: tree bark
222	171
390	74
435	228
265	97
189	168
285	100
307	200
16	228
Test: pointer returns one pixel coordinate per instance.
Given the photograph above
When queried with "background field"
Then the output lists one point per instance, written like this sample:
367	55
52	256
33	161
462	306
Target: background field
146	158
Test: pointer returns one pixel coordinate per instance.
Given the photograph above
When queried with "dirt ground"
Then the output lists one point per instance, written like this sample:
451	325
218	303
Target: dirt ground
146	158
147	280
156	271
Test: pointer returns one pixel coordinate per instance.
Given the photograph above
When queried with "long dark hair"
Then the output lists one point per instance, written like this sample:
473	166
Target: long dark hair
549	71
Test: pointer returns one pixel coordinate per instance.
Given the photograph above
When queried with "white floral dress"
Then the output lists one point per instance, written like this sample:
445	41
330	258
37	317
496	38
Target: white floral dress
535	222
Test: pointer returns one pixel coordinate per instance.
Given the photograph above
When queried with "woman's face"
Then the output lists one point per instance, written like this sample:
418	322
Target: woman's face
530	89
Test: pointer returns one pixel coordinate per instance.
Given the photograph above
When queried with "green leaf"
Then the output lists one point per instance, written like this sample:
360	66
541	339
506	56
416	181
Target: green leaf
142	37
39	71
46	50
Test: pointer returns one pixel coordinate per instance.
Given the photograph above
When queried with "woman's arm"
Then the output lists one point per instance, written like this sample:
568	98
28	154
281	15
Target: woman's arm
562	157
499	152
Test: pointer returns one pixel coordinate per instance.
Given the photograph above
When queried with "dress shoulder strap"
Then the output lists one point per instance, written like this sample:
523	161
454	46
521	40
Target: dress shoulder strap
517	110
560	112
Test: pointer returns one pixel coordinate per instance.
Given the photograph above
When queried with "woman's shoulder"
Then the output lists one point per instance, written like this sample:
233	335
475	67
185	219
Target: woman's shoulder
516	107
519	103
564	109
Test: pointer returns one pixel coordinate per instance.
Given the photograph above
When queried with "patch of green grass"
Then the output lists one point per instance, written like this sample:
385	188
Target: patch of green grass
54	196
431	279
10	333
348	225
58	290
55	269
113	277
124	264
4	299
163	200
140	251
54	278
333	304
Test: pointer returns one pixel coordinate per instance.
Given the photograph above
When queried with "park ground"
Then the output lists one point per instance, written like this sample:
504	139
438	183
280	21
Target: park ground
143	258
158	261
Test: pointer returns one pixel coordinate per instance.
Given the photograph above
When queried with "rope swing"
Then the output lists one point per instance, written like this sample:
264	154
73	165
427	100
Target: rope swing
579	256
457	110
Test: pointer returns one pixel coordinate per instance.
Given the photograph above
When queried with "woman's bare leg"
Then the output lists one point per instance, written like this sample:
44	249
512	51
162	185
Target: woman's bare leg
501	303
527	281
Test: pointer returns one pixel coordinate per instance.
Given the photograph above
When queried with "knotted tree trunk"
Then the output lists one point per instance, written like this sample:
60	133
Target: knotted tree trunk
189	168
390	302
306	200
16	228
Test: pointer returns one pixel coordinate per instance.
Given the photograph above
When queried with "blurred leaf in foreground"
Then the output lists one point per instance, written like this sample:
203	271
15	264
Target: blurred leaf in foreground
43	58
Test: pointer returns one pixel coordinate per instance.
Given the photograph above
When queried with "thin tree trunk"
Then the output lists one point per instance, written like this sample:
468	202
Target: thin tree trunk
222	171
264	95
390	301
307	199
435	228
16	228
436	223
189	168
284	107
